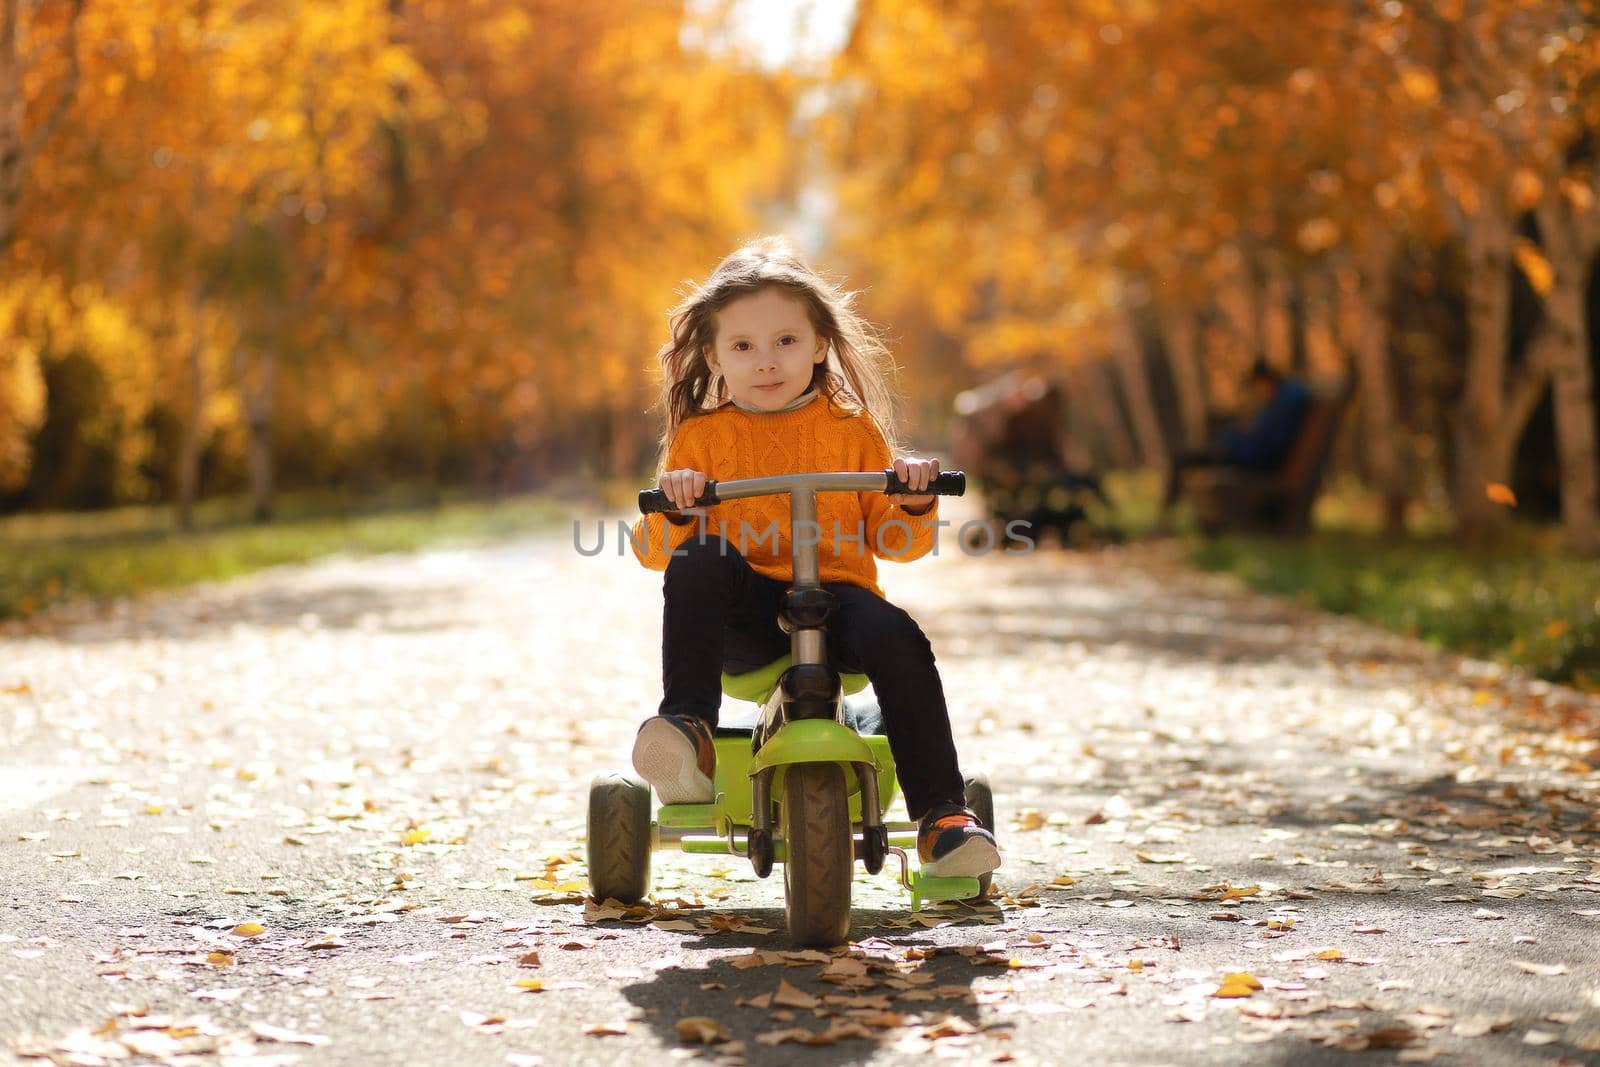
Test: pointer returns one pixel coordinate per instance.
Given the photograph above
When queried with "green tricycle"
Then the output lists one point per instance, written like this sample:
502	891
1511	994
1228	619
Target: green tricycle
807	783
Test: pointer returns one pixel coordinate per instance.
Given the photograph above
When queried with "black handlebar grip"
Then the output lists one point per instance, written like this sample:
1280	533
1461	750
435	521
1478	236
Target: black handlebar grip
946	483
654	500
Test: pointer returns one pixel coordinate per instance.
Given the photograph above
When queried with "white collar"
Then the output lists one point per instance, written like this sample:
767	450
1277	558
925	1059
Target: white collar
799	401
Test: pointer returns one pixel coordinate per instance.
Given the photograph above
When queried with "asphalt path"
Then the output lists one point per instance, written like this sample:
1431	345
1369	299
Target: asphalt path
334	814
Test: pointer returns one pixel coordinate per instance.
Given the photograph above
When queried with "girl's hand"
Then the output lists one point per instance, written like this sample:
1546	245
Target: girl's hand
918	474
683	487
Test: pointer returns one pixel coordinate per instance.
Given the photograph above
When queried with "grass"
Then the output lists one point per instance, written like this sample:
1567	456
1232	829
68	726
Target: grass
1522	601
48	558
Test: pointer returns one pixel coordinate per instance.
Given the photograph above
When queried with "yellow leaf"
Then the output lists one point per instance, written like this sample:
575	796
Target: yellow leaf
703	1030
415	837
1526	188
1578	195
1330	954
1318	235
1534	264
248	930
219	959
532	985
1420	85
1500	494
1238	985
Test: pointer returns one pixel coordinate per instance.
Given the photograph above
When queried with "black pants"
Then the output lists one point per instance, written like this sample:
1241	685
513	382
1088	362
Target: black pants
721	615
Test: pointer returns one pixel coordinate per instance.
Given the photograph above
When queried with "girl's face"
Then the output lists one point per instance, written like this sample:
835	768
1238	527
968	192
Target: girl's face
765	348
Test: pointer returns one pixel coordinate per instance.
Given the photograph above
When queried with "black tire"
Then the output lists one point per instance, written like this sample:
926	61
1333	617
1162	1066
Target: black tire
980	798
821	854
619	838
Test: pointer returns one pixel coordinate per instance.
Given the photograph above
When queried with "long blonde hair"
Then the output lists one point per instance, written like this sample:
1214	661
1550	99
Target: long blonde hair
856	375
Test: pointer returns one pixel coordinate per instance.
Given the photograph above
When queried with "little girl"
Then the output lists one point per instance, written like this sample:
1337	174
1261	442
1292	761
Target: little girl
750	390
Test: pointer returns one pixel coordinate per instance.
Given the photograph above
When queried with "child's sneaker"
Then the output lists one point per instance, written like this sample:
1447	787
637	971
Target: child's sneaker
952	844
675	754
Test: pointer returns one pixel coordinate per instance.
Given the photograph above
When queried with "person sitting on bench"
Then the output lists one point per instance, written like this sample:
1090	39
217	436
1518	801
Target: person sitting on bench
1260	442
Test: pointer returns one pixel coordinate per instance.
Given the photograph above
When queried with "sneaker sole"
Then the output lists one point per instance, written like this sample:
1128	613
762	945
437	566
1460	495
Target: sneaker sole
666	759
970	859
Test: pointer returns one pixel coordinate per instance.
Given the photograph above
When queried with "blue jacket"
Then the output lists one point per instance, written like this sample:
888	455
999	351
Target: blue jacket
1265	443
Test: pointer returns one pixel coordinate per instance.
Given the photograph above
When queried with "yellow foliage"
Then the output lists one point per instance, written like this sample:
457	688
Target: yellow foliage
1535	267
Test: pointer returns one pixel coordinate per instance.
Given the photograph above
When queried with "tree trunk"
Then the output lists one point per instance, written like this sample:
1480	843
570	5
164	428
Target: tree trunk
192	443
1235	298
1572	388
1490	421
1135	378
260	400
1183	353
1566	353
1370	290
1090	384
628	425
1276	314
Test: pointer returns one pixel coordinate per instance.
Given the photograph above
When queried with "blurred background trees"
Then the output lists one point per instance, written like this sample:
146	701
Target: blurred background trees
245	246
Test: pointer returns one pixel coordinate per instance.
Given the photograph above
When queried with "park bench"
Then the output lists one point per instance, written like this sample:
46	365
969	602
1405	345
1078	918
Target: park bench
1273	502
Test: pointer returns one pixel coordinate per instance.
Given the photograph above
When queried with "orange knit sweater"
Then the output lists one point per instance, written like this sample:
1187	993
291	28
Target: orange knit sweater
818	436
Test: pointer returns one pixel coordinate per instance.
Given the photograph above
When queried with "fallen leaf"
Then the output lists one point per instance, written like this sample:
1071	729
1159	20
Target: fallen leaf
217	994
1479	1026
790	997
287	1037
1392	1037
702	1030
1238	985
1545	970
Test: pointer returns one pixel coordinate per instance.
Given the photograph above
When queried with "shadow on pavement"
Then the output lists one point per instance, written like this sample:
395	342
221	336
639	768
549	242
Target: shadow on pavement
826	1007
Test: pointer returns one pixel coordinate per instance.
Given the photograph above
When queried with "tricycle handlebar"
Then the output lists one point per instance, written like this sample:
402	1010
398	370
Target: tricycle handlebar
948	483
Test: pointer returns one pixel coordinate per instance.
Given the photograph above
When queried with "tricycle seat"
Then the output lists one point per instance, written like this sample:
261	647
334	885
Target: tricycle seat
757	685
863	716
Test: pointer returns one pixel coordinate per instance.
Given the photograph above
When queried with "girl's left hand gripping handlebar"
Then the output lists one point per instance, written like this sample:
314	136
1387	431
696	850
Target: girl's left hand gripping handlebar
947	483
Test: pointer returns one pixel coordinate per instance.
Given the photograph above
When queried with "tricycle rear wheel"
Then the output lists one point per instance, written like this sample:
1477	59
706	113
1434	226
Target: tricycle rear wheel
821	853
619	838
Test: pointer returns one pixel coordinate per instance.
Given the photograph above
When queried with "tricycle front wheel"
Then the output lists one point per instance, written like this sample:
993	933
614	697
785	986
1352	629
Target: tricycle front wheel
619	838
820	853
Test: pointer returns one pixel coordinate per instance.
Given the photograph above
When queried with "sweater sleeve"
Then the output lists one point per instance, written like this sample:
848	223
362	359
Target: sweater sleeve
654	537
893	532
